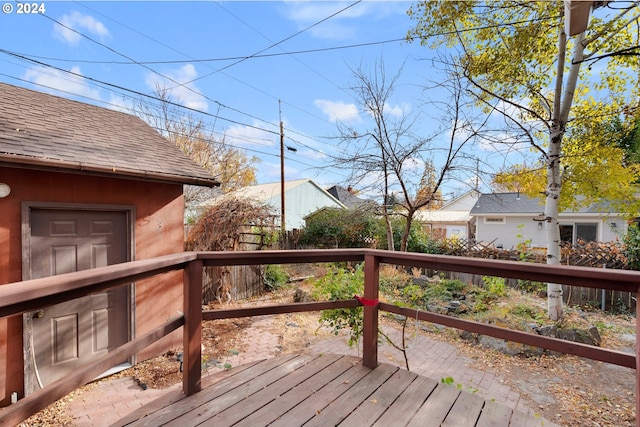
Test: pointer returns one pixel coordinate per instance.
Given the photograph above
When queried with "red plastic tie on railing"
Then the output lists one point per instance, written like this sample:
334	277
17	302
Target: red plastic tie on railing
367	302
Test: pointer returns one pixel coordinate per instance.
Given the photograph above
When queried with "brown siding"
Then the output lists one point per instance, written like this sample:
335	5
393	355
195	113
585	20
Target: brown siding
158	231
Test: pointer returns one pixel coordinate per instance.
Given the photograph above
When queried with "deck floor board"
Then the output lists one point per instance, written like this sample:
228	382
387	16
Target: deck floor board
321	390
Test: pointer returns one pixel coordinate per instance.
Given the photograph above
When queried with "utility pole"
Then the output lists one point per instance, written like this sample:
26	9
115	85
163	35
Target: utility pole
282	204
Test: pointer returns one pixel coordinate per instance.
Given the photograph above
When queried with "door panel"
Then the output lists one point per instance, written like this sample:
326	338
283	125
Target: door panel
68	335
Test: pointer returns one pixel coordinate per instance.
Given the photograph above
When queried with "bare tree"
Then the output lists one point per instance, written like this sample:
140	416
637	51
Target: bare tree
410	166
230	165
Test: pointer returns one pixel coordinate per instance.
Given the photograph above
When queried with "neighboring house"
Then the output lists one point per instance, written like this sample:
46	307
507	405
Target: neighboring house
302	197
347	197
508	219
83	187
452	220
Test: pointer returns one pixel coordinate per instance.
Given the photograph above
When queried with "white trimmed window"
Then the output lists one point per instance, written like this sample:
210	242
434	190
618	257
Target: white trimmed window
495	220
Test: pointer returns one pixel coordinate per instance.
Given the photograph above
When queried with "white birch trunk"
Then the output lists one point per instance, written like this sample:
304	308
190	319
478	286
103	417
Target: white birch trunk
561	107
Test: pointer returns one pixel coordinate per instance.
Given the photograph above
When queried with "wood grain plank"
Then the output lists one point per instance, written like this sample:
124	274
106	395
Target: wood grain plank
406	405
255	401
378	402
293	397
465	411
318	401
236	394
437	406
494	415
340	408
185	405
173	397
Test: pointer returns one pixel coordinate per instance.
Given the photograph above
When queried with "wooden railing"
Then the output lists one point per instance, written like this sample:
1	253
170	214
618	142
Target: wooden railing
17	298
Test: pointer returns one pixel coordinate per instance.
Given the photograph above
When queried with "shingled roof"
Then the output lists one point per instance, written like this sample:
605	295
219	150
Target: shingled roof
43	131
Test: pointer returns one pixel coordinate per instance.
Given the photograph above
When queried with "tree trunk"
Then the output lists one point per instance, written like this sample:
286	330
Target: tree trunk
387	220
561	107
407	231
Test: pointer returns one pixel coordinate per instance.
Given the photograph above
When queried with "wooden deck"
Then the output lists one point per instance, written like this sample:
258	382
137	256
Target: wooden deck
325	390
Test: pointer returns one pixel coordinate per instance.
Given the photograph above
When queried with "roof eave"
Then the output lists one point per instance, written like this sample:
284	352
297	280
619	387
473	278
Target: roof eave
54	165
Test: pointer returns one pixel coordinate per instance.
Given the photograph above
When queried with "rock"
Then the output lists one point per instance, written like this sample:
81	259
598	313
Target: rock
548	331
532	327
509	347
469	336
301	296
420	281
589	336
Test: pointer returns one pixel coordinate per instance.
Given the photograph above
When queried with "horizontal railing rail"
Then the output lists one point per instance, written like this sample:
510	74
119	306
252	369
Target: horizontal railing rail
20	297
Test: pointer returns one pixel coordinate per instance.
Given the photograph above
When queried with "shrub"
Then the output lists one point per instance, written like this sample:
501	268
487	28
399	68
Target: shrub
342	284
494	286
344	228
275	277
632	246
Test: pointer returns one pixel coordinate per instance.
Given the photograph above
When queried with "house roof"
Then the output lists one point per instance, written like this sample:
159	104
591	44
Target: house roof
518	203
506	203
349	199
42	131
264	192
462	202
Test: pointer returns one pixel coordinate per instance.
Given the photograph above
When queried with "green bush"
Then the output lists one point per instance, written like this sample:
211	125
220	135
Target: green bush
275	277
417	241
444	290
494	286
339	285
632	246
344	228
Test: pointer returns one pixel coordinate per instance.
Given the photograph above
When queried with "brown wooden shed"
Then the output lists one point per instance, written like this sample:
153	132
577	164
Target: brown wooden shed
82	187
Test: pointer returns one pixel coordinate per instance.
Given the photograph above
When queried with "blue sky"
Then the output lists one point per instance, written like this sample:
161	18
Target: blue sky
139	45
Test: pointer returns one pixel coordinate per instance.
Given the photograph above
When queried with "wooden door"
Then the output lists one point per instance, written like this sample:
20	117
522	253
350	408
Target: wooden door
68	335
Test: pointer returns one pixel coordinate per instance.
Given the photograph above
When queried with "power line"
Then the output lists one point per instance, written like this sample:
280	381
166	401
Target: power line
198	93
277	43
286	53
155	98
162	130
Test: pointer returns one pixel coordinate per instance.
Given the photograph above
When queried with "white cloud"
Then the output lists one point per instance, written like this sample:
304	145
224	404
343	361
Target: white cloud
305	14
82	24
343	25
397	110
185	92
338	110
58	80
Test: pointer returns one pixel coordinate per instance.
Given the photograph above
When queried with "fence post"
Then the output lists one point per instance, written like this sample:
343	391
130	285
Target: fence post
370	322
192	330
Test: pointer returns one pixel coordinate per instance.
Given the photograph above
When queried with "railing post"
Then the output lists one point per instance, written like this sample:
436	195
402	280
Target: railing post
370	322
637	396
192	331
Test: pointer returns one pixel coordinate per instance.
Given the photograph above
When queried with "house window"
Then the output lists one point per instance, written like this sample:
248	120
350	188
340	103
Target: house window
586	232
494	220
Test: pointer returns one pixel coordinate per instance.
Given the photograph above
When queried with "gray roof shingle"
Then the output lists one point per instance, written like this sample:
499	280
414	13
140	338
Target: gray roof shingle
47	131
518	203
506	203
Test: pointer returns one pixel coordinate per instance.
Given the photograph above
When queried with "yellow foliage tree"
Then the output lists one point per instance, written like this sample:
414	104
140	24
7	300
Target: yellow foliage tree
526	62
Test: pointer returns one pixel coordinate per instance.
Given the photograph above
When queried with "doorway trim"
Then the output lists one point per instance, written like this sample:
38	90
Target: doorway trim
30	380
